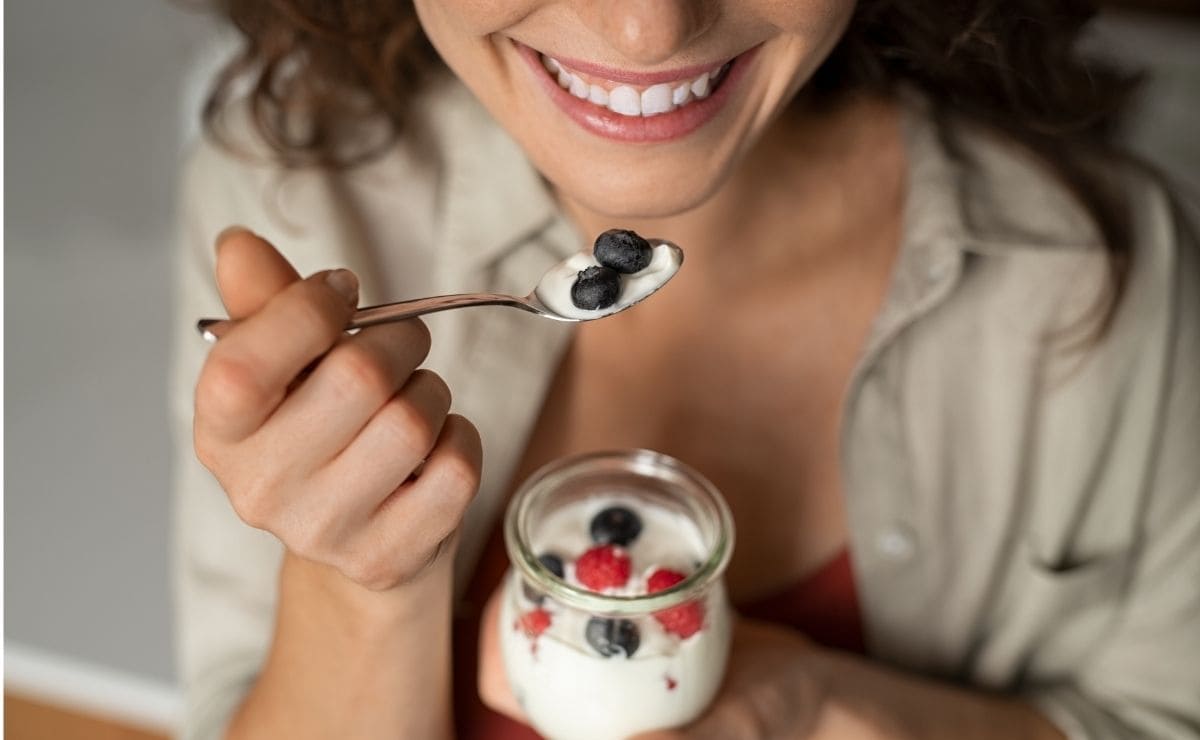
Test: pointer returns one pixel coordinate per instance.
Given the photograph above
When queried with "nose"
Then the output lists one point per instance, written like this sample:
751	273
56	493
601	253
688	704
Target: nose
648	32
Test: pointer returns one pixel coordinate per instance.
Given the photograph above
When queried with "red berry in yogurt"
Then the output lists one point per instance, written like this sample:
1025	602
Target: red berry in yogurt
535	622
603	567
684	620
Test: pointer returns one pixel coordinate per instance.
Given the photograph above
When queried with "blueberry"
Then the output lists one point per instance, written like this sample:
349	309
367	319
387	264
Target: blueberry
611	637
532	594
550	562
623	251
596	287
616	525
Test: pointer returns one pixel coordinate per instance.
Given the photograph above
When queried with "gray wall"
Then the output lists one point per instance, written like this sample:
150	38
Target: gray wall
94	103
98	103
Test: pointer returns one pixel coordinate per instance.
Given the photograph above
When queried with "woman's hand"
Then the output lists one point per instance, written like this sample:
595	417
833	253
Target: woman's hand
336	444
768	690
780	686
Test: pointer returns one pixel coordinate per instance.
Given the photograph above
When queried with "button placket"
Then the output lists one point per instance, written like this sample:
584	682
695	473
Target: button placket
896	542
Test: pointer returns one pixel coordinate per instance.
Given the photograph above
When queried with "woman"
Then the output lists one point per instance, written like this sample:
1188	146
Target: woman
934	341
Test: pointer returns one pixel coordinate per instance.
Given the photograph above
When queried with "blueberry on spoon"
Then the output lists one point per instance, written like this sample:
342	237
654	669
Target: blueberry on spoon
622	250
595	288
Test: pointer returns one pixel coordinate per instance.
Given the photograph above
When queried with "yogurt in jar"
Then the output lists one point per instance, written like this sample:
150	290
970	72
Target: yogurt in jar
583	675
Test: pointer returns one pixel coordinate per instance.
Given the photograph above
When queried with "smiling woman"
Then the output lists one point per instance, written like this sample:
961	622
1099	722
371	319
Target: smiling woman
321	69
893	213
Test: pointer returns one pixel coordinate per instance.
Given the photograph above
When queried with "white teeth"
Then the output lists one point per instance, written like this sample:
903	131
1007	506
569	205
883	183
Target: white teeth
579	88
598	95
656	99
626	101
681	94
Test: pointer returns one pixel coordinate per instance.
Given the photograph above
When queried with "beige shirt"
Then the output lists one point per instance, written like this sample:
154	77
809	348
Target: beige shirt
1021	518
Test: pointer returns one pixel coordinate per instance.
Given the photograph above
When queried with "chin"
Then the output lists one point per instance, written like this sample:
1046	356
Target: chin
660	194
646	184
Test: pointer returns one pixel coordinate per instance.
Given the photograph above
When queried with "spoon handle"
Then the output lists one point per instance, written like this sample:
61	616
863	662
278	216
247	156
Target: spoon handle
214	329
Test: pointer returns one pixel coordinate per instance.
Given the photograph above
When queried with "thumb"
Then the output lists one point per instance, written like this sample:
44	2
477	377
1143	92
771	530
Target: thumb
249	271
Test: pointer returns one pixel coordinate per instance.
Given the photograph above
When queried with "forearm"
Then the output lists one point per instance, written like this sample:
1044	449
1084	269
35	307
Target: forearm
868	701
349	662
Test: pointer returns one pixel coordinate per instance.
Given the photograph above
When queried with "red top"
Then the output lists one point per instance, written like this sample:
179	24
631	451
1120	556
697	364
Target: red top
823	605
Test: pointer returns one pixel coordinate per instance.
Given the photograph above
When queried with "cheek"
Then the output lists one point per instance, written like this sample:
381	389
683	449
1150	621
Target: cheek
812	19
471	18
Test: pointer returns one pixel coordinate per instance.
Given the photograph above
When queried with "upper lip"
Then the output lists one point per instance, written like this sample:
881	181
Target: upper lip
632	77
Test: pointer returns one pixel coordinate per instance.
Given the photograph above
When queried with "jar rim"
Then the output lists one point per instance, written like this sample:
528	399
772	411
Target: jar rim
639	461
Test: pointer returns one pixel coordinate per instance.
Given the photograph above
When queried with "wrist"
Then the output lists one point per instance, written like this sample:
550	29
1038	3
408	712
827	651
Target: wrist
870	701
426	595
848	712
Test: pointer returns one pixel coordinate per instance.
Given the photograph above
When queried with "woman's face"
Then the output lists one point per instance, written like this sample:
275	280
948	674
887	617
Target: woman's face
661	97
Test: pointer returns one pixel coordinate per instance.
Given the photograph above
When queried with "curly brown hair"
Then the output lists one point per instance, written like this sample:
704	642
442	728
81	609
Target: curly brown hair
321	69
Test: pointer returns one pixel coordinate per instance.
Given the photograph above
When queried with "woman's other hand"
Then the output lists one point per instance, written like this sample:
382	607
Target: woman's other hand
336	444
768	691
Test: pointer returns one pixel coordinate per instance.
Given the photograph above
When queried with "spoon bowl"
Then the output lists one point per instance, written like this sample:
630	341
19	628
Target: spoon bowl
550	298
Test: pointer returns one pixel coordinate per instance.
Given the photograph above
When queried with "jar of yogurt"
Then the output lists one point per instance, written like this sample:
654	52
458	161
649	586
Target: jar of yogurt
614	618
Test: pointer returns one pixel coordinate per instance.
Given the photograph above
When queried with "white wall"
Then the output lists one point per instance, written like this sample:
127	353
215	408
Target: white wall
94	126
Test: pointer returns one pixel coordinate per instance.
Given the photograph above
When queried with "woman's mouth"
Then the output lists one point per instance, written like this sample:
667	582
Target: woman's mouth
636	106
635	100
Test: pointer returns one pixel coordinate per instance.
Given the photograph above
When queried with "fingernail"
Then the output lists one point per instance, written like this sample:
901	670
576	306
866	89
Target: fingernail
344	282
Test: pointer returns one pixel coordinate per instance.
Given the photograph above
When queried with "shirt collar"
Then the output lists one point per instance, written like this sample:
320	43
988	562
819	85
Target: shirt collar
991	202
990	199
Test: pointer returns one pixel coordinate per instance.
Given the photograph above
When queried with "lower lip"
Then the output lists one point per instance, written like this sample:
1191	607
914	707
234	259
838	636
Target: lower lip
638	129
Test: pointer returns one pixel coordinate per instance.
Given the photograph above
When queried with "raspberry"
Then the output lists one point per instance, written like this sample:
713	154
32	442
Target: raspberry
662	579
535	622
684	620
604	566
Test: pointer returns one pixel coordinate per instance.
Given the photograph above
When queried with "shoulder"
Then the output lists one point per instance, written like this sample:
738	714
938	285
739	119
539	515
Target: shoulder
321	215
1033	242
1117	326
1013	200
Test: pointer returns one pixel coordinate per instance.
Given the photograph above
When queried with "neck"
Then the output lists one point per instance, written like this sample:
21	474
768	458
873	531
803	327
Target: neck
823	175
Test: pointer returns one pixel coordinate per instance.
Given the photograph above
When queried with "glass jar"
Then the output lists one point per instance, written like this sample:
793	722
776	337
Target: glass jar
642	652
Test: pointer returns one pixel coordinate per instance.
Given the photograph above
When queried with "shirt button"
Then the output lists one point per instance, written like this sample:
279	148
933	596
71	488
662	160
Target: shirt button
937	270
896	542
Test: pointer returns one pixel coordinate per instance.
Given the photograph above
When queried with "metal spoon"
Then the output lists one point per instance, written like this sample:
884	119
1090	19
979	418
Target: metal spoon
554	289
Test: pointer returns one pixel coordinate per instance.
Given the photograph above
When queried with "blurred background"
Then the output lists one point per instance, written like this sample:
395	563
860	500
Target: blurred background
101	99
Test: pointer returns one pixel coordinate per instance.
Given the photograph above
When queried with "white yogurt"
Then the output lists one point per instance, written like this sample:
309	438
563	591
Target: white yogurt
554	289
571	692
